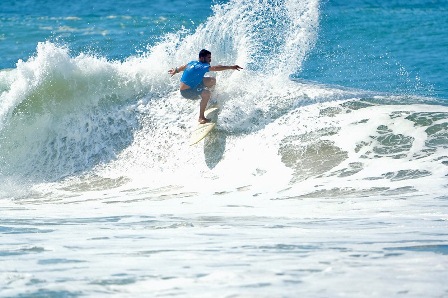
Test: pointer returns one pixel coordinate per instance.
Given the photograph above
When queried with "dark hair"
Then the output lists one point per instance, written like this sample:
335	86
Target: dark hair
204	53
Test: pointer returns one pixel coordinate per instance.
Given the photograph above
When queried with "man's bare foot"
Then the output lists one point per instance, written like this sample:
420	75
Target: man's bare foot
203	120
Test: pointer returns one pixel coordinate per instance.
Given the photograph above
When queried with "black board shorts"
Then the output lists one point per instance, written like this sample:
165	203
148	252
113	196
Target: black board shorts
193	93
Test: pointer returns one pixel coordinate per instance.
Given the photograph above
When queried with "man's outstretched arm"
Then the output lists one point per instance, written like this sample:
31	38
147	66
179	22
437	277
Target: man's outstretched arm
224	67
175	70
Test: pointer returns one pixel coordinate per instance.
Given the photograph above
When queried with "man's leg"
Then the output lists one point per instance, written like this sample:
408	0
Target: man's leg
205	97
209	82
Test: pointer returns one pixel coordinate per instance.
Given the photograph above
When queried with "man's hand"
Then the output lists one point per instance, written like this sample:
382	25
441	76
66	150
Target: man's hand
236	67
173	71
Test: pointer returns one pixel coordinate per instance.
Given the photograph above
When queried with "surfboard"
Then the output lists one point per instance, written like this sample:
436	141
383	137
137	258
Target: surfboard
202	130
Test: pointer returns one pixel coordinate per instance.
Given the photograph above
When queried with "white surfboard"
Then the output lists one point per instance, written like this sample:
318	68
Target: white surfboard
202	130
210	110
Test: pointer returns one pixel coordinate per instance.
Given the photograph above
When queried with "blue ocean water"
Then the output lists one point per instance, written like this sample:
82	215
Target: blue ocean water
113	30
325	176
390	46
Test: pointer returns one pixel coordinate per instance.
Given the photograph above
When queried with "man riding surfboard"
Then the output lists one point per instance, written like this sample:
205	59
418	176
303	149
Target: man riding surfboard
193	83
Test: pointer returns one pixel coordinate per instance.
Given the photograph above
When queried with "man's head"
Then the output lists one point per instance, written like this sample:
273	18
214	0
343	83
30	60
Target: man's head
205	56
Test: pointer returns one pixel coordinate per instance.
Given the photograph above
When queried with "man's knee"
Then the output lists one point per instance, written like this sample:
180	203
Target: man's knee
205	94
209	81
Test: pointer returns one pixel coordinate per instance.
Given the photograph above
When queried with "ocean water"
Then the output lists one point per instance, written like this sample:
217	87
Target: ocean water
326	175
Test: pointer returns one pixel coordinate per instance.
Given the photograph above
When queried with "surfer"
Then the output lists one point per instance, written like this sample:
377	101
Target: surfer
193	83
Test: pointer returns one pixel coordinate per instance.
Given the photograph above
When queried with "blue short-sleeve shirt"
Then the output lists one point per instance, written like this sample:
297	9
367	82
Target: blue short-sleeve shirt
194	73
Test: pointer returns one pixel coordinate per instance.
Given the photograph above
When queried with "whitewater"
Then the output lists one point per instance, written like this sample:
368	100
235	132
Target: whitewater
303	188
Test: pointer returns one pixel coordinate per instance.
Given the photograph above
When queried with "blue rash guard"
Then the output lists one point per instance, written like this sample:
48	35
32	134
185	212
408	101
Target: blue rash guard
194	73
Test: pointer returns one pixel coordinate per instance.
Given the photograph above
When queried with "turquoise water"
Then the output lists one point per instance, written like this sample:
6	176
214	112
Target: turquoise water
325	175
114	30
390	46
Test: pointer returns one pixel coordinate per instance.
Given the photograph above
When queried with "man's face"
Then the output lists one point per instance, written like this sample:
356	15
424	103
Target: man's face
206	59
